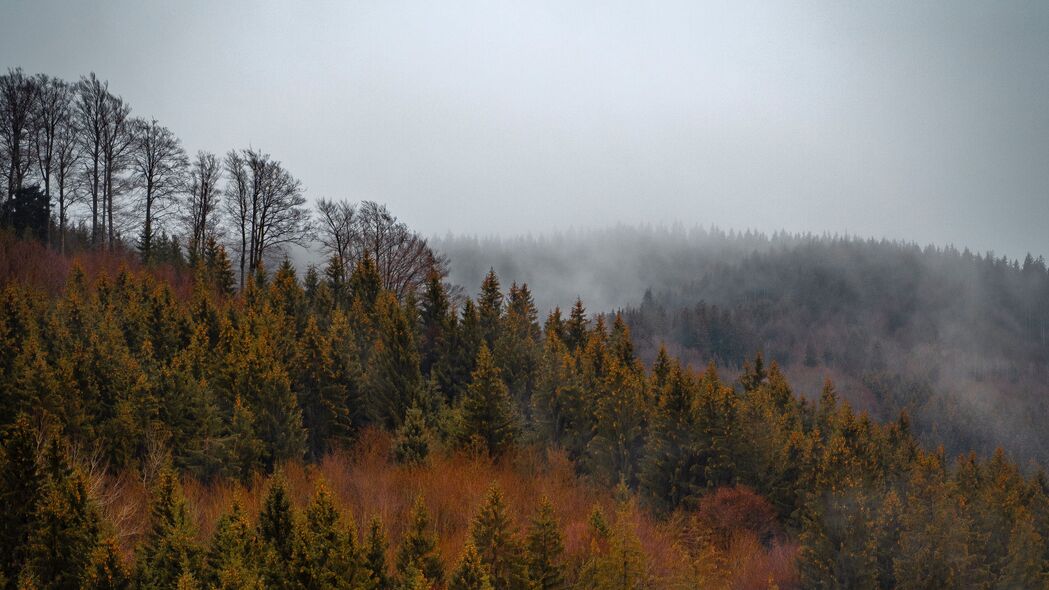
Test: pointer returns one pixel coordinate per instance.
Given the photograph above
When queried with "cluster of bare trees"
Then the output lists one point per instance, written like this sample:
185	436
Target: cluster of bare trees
128	179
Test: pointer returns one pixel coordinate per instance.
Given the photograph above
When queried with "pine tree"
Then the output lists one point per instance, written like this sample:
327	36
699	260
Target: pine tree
66	529
234	554
490	308
375	557
470	574
1024	562
419	547
326	553
106	571
496	541
488	414
544	550
20	484
325	399
169	550
412	444
241	451
276	525
394	379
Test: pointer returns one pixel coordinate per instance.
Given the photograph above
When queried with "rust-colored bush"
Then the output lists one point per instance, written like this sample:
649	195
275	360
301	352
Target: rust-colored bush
730	511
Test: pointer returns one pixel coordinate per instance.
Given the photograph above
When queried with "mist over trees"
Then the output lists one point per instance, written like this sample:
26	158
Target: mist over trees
960	340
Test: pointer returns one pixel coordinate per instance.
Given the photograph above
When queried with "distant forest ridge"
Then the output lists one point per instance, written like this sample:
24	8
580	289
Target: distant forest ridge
959	339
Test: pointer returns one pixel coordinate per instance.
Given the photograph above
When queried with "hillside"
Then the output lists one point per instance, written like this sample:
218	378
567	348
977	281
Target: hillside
959	340
221	439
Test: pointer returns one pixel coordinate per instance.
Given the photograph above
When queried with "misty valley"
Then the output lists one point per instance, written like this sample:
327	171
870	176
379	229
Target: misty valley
524	296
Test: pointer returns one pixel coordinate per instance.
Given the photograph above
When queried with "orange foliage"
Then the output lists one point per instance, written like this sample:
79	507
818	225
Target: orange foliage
366	482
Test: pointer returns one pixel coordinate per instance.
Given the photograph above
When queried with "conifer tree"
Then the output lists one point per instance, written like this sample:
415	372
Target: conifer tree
470	574
419	547
106	570
545	550
517	349
234	555
66	529
169	550
495	538
326	553
490	308
412	444
394	379
1024	562
276	525
576	327
435	316
466	344
241	451
488	414
325	399
20	484
375	557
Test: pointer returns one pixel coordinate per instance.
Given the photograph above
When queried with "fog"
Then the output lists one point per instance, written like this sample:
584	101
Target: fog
923	122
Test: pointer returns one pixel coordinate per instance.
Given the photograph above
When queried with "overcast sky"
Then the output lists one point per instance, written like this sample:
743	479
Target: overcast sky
927	121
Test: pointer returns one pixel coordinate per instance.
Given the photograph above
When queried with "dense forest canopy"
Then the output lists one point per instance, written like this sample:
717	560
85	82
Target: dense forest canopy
182	407
959	340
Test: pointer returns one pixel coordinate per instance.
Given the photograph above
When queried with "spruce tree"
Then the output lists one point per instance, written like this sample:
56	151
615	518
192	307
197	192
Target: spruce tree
419	547
488	413
394	379
495	537
375	557
234	554
169	549
20	485
106	570
276	529
412	445
544	550
470	574
325	555
324	398
490	308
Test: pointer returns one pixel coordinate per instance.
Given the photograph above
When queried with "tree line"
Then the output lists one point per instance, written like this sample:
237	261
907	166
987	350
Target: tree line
73	152
224	386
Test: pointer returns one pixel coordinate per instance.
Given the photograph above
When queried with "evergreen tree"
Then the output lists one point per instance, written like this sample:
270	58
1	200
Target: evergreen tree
490	308
470	574
488	414
544	550
20	484
66	529
106	571
576	327
419	547
394	379
276	528
169	549
326	553
324	398
412	444
234	554
496	541
375	557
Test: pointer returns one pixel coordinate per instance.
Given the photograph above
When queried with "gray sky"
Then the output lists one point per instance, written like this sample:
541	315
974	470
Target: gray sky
927	121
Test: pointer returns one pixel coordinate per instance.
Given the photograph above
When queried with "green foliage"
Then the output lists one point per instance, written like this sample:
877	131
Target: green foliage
488	413
544	550
169	552
470	574
495	539
419	553
413	438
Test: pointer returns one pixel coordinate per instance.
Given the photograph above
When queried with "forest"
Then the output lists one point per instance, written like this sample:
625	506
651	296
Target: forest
182	407
956	339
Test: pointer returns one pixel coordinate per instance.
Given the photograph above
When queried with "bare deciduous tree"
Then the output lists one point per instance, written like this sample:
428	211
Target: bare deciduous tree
158	165
18	96
349	233
66	156
117	139
51	115
200	209
91	122
264	202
